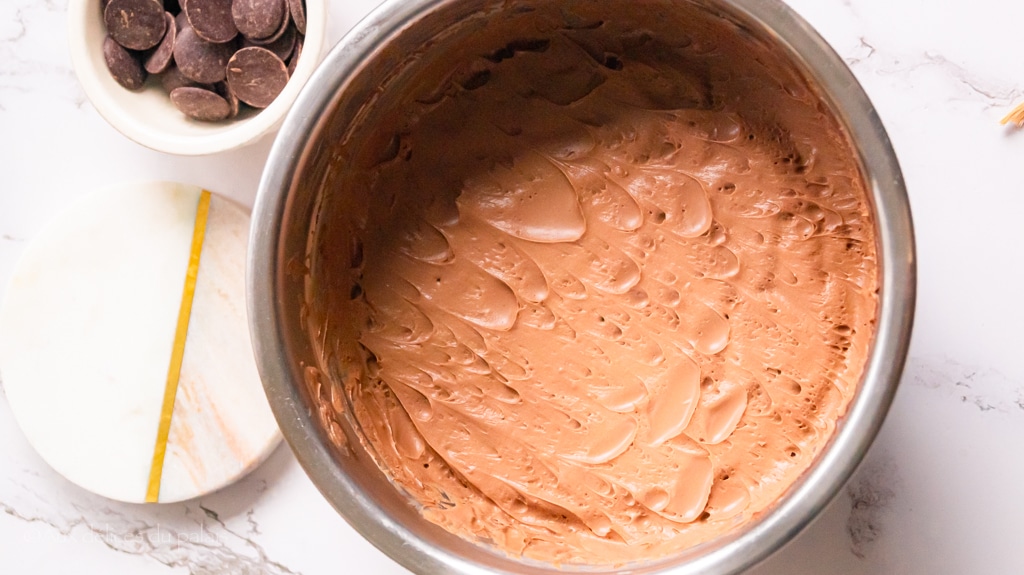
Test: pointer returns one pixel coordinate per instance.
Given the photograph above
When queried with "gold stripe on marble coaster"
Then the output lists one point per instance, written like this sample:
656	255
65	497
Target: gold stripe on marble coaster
178	352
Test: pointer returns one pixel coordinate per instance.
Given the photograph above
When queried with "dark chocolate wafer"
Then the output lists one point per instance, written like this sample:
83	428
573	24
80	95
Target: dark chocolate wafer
297	9
211	19
256	76
160	58
257	19
135	24
282	47
200	104
173	78
123	65
201	60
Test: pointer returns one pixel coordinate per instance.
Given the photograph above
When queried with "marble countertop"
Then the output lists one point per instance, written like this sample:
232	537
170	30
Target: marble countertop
939	491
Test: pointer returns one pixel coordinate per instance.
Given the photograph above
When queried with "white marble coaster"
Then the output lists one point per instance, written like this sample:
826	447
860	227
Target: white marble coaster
87	338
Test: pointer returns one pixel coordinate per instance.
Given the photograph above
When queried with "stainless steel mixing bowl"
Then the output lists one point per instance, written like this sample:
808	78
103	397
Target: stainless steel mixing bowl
331	453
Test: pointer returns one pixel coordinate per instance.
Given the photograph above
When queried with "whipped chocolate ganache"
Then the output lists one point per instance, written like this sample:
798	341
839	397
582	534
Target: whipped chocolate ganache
598	283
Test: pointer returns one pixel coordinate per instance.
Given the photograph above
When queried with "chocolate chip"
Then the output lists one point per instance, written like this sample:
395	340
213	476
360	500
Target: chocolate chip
285	25
173	78
257	19
225	92
135	24
256	76
200	104
297	8
198	59
123	66
282	47
160	59
180	21
211	19
296	54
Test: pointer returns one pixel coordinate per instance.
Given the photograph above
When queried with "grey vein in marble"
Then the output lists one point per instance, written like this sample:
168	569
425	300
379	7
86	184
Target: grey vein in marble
993	92
867	57
870	493
983	388
188	535
863	52
29	64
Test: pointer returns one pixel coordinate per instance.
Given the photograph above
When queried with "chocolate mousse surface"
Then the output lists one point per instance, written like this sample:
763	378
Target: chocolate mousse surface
597	285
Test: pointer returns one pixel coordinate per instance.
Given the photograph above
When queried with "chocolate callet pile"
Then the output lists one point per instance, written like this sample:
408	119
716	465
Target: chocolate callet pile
213	56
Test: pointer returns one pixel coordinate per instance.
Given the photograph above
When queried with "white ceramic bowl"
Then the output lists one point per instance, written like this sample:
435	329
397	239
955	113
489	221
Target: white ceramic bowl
149	117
